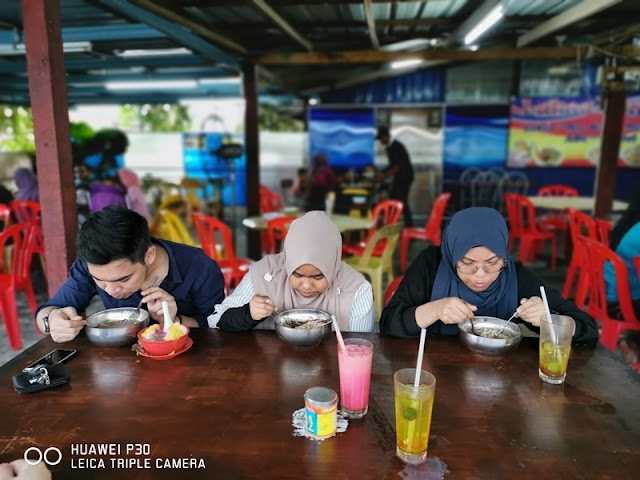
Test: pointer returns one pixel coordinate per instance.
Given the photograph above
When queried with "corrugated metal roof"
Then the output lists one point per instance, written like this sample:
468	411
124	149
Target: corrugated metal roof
304	45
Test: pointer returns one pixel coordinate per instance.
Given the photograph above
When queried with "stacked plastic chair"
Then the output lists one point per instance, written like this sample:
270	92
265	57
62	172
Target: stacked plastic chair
375	266
216	241
597	258
17	278
277	229
385	213
522	227
432	231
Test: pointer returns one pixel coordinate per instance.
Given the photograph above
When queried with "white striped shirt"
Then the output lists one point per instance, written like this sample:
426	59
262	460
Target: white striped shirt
361	318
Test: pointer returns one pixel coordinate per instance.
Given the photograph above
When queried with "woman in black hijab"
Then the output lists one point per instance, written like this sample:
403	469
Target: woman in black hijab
472	274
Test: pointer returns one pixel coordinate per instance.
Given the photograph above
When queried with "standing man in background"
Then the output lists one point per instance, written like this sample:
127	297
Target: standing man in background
400	169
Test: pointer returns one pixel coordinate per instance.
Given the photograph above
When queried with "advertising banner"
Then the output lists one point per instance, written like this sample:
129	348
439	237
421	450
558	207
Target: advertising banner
566	132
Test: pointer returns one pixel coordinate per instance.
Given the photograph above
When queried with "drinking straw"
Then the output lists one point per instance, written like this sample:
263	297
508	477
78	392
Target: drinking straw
338	333
546	307
423	335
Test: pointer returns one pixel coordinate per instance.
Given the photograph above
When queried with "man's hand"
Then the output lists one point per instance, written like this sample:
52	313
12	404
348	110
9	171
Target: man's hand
154	297
261	307
65	324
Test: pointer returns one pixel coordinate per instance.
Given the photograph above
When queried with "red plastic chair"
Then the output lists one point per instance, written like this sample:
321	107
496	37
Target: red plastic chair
277	229
270	201
598	255
18	279
603	229
636	263
391	289
522	226
25	209
385	213
432	231
214	234
554	220
5	216
579	224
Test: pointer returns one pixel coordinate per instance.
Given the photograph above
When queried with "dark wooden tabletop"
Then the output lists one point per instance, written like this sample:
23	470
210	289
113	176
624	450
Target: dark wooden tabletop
229	401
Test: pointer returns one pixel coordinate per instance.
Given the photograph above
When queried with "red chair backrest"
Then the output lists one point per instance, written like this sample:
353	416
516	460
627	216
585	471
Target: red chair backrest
5	216
433	227
391	289
636	263
25	209
277	229
270	201
558	191
212	233
581	224
12	235
603	228
599	254
386	212
520	213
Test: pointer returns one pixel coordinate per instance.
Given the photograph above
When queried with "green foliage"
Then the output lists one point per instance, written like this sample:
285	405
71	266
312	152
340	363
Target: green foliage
16	129
271	120
155	117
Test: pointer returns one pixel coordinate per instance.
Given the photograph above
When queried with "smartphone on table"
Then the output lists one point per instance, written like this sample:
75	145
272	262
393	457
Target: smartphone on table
59	355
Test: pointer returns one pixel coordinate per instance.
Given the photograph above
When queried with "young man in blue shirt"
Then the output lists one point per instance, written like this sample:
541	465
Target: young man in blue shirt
117	259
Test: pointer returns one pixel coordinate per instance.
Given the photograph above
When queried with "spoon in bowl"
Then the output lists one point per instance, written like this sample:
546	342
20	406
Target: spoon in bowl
510	318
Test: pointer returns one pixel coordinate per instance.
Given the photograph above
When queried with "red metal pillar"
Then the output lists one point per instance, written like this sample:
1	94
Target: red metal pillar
48	93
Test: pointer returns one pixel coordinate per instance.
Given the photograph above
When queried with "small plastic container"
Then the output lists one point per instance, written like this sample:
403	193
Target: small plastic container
321	407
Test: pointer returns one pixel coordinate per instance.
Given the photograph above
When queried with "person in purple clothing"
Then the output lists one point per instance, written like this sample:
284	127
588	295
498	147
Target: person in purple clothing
117	259
27	183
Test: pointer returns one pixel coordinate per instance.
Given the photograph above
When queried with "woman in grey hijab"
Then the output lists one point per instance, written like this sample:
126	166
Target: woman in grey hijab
309	273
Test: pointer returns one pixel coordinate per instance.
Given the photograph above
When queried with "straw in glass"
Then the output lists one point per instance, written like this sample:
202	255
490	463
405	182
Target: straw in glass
423	335
546	308
338	333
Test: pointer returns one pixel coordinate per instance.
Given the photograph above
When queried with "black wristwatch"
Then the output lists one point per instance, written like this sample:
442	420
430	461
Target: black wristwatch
45	320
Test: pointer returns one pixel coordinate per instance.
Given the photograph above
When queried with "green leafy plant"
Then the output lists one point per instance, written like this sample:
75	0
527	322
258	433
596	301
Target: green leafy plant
155	117
16	129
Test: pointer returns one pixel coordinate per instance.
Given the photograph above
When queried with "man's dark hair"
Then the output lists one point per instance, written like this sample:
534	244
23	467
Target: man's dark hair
113	233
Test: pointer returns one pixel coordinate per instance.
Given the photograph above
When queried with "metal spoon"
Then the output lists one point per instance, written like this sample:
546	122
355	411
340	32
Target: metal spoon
510	318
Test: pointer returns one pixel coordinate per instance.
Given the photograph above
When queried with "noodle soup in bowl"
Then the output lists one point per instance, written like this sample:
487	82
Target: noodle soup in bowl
486	337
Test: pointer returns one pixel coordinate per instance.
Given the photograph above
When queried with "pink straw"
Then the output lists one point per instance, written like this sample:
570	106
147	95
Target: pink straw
338	333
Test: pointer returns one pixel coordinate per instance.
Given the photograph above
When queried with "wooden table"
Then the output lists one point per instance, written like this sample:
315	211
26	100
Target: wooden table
229	401
578	203
345	223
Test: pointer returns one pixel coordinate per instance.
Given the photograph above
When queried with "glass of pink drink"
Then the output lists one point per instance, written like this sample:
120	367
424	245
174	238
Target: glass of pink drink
355	376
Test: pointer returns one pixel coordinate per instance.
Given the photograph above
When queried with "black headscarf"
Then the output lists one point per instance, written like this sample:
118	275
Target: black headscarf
469	228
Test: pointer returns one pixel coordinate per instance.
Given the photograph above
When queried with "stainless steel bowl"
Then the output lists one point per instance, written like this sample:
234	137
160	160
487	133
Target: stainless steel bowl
478	343
287	321
115	336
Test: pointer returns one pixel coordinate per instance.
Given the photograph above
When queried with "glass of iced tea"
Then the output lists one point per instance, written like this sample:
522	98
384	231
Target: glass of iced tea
413	413
555	346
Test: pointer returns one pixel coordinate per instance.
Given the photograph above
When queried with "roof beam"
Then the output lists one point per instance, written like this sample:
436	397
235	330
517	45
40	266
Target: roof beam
272	15
617	35
371	24
501	53
158	17
114	62
574	14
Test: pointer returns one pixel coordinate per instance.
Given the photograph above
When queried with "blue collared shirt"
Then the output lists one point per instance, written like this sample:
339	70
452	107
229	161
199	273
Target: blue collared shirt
194	280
